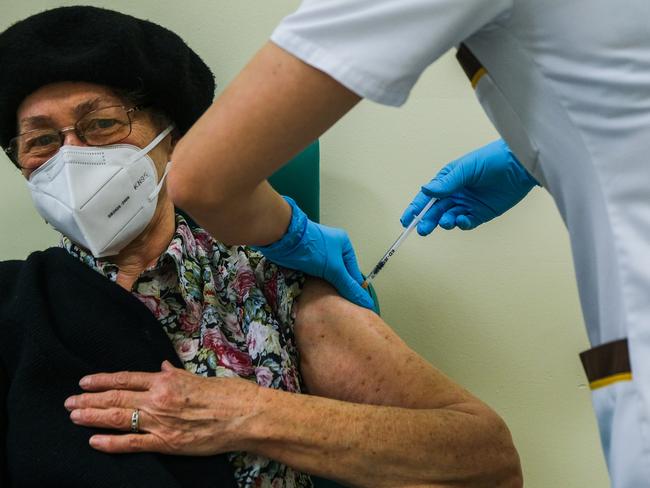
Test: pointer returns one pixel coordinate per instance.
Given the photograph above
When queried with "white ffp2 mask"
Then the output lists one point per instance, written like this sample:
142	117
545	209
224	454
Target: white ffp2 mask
100	197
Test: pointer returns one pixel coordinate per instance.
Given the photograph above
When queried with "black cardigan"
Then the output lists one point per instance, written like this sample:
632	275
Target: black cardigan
61	320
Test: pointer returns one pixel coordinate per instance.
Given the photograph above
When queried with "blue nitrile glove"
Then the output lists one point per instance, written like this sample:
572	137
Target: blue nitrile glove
321	251
472	190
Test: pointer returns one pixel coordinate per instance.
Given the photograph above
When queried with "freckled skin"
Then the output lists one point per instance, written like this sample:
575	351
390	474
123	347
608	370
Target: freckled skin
348	353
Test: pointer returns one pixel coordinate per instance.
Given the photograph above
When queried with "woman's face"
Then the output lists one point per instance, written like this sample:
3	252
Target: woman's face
60	105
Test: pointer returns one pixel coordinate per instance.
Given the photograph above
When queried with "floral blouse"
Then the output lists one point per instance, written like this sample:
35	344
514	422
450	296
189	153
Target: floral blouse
228	313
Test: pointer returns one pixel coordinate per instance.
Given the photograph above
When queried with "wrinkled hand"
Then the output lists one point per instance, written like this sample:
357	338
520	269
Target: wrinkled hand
472	190
320	251
180	413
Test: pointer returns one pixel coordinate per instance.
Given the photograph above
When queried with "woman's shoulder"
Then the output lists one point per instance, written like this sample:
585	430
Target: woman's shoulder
11	268
20	275
10	273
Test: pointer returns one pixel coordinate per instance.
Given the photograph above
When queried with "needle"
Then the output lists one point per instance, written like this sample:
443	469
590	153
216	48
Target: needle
392	249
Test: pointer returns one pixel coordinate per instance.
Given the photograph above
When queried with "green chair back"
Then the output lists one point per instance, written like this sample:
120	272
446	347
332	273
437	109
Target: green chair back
300	180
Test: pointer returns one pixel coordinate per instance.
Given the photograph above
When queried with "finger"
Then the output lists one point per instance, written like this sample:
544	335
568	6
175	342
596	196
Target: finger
123	380
408	216
431	218
415	207
349	278
426	227
125	443
467	222
167	366
106	399
448	181
349	289
109	418
448	219
362	298
351	264
353	292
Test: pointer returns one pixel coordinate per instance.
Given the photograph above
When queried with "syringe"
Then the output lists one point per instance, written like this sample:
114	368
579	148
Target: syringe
392	249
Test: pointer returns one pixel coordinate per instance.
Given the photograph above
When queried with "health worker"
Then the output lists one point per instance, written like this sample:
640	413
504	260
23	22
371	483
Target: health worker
567	85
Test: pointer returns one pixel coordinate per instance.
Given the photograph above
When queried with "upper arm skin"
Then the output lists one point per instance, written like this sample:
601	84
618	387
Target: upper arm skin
349	353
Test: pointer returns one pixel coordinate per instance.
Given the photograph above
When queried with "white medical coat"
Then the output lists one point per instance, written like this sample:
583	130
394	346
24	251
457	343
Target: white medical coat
567	85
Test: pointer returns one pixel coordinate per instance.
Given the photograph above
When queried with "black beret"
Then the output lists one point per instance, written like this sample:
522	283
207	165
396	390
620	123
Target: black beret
105	47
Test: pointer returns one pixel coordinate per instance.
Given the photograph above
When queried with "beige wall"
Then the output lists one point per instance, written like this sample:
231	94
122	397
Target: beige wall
495	308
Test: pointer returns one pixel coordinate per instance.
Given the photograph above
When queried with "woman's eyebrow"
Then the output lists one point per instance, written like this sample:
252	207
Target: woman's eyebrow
45	121
84	107
35	122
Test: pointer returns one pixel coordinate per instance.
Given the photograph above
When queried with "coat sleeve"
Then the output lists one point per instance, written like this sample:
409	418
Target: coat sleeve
379	48
9	273
4	387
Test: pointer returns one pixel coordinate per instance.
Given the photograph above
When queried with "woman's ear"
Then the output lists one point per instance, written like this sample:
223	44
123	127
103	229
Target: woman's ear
176	135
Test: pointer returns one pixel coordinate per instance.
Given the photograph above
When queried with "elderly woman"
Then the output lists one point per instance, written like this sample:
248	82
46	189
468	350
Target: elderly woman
92	103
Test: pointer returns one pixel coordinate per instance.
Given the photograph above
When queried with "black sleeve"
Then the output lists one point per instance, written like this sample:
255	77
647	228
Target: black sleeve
9	270
4	387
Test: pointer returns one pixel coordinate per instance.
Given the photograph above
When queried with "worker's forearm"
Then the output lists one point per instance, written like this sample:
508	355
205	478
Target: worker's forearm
257	218
375	446
274	108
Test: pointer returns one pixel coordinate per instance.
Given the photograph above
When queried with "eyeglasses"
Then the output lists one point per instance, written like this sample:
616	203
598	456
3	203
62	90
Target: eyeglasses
100	127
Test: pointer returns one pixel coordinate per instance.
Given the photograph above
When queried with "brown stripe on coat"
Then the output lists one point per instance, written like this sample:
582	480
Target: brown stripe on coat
606	360
470	64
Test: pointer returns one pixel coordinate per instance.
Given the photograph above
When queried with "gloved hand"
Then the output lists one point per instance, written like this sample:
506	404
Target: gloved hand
472	190
321	251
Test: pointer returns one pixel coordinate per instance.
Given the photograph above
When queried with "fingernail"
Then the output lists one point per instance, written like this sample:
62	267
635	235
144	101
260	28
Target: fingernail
95	441
75	415
85	381
69	403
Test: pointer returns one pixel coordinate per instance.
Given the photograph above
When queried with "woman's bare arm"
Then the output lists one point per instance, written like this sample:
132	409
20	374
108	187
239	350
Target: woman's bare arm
389	419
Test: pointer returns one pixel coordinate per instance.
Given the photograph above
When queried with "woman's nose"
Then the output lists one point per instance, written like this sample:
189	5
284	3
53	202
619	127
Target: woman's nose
71	138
